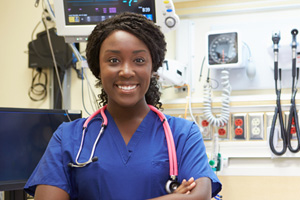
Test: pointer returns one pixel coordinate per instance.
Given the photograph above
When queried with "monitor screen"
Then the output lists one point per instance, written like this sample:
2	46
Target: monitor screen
75	19
94	11
24	136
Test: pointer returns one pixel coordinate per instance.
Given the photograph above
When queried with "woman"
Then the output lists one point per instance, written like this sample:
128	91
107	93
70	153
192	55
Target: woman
123	53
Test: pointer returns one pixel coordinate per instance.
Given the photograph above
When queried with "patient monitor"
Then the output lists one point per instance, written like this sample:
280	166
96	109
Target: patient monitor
75	19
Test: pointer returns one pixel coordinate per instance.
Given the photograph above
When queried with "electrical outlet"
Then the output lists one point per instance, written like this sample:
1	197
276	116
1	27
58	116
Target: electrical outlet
206	127
256	126
223	131
293	127
239	125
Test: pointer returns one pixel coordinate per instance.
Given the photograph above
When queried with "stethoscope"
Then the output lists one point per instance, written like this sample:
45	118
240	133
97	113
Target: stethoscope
172	184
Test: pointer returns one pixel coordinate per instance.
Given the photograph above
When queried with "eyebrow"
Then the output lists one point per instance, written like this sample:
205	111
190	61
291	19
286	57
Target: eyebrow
117	51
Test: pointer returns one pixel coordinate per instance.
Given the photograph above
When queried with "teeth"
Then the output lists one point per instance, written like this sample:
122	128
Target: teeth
127	87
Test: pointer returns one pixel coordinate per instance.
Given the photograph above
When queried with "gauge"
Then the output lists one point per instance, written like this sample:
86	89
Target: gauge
223	48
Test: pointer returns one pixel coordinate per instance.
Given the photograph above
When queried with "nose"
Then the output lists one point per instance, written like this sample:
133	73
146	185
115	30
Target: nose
126	70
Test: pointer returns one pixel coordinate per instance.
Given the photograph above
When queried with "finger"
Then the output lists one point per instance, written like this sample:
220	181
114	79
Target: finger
191	180
182	186
191	186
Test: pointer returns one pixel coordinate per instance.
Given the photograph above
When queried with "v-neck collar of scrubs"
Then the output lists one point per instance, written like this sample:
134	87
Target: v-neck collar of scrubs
127	150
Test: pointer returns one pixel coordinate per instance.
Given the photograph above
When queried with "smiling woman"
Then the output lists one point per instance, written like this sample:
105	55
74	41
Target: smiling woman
142	154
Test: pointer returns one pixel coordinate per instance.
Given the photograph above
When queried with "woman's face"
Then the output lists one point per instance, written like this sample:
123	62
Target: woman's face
126	69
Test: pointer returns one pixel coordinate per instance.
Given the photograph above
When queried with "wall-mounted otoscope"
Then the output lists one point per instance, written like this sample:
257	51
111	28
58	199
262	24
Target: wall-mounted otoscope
294	33
278	110
293	125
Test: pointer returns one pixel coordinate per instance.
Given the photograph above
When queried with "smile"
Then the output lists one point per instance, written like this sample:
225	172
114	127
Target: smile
127	87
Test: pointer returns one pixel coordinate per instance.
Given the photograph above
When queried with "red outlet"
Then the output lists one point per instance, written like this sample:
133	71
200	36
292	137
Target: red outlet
222	131
293	130
239	131
239	126
238	122
205	123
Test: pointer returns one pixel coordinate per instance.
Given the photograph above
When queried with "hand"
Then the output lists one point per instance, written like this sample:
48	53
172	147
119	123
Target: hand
186	186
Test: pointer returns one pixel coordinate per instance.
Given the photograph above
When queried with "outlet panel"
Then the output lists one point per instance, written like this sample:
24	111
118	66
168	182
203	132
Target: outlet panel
256	126
205	126
239	124
222	131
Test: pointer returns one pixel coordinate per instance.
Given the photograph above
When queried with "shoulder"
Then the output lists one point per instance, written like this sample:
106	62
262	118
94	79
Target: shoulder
183	128
67	129
181	123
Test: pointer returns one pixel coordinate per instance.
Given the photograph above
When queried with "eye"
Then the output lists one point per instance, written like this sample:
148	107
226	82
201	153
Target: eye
139	60
113	60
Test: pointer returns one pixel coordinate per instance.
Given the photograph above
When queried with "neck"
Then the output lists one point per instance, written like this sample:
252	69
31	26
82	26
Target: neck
128	113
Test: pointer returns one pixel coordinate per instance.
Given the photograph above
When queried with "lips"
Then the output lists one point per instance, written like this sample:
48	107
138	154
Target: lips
127	87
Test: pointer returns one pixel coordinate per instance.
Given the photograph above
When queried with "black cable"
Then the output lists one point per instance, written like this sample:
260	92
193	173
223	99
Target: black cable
293	117
278	110
34	93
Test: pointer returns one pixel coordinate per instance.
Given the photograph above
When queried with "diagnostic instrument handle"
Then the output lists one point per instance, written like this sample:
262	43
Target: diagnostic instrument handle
294	33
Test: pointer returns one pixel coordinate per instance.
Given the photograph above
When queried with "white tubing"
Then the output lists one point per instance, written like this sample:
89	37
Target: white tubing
225	113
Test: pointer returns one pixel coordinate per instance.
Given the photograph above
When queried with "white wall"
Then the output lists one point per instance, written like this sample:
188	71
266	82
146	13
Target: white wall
17	20
256	31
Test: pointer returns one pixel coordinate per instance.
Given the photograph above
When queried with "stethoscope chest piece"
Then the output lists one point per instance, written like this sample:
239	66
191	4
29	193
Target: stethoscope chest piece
172	185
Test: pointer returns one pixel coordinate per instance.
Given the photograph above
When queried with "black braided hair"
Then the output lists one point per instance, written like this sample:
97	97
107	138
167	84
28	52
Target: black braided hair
142	28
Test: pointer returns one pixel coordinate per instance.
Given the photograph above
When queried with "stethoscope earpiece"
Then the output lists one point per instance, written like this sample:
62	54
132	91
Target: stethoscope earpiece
171	185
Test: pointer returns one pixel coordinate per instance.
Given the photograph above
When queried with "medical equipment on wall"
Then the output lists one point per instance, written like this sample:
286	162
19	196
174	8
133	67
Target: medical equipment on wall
224	50
278	110
293	116
172	72
171	184
75	20
293	126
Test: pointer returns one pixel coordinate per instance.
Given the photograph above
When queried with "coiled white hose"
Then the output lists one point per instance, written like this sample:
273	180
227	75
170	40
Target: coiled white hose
225	113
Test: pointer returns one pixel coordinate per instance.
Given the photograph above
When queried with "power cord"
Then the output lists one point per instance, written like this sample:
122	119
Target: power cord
55	66
38	89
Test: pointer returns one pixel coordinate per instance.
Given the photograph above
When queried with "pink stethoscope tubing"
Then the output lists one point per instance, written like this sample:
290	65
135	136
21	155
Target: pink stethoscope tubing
167	130
170	142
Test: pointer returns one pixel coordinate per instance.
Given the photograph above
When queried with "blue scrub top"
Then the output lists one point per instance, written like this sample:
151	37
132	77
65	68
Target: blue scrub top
138	170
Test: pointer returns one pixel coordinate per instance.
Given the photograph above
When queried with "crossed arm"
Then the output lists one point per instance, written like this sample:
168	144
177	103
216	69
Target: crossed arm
192	189
199	189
